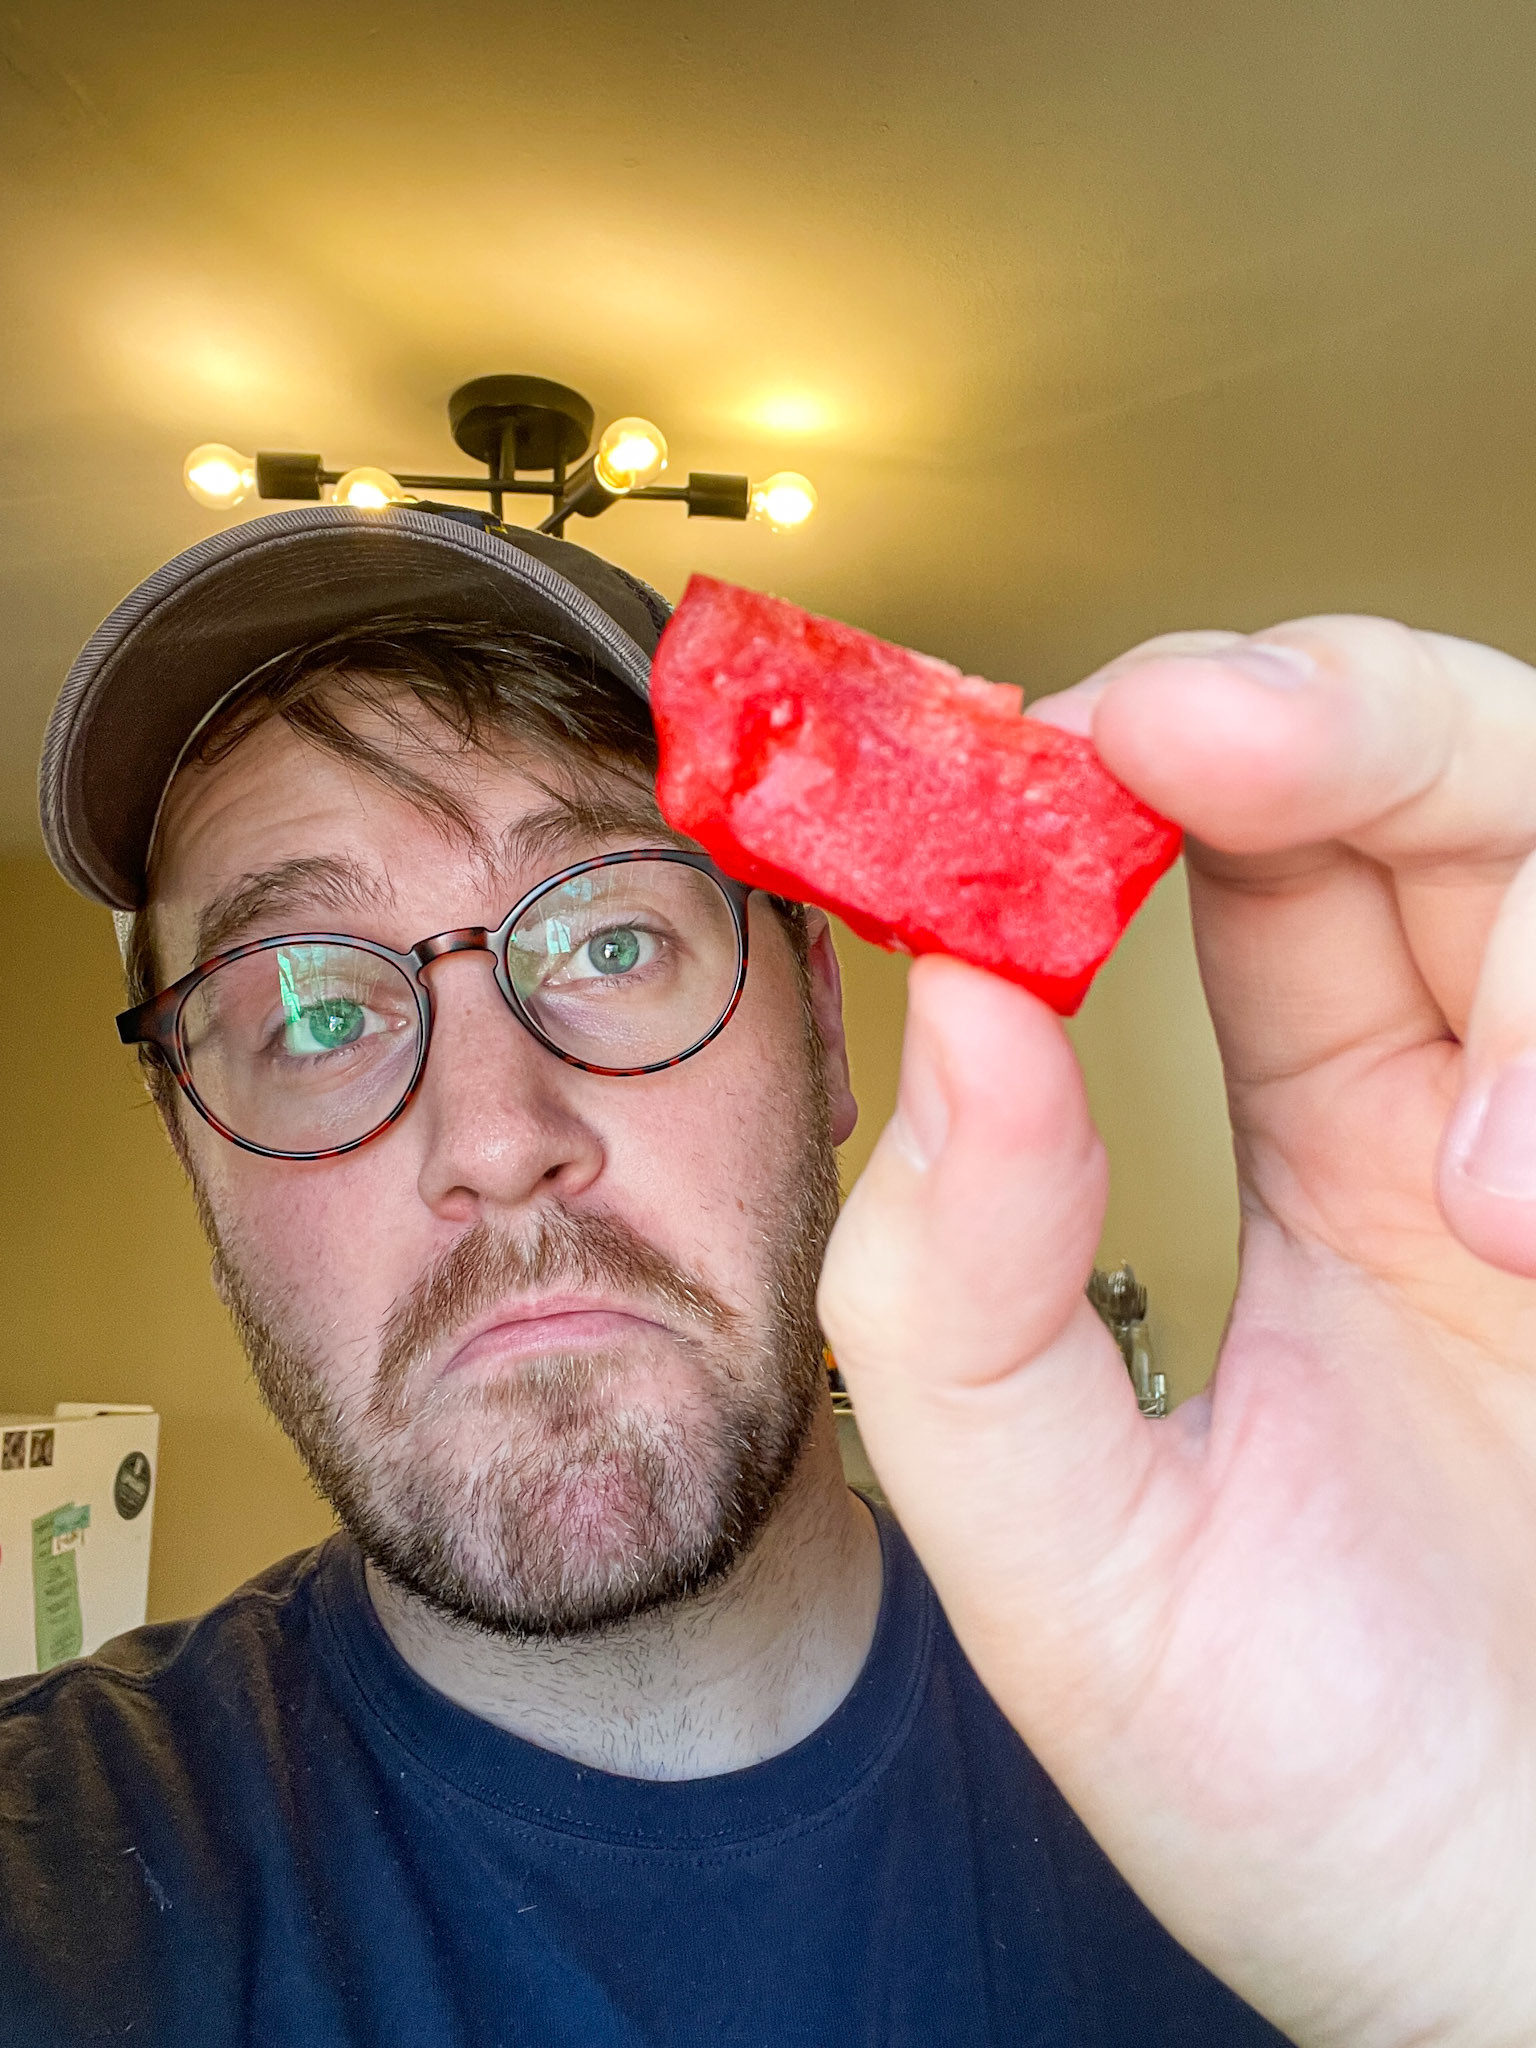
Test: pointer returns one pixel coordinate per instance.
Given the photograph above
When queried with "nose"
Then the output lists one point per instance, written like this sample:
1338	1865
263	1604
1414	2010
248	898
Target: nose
498	1118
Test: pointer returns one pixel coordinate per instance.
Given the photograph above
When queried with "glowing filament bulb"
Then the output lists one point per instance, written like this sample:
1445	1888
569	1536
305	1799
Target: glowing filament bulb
631	453
784	500
368	490
218	476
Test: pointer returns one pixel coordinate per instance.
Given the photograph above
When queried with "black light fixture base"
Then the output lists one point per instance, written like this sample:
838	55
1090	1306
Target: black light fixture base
547	425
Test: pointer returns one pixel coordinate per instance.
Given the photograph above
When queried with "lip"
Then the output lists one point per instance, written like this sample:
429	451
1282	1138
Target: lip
545	1323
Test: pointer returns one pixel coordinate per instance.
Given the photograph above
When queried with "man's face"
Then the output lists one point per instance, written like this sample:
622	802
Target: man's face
548	1342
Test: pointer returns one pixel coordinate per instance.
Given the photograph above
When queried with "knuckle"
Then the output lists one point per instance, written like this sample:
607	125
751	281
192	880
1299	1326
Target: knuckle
1365	643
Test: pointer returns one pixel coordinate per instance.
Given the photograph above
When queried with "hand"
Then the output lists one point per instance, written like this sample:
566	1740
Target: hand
1279	1650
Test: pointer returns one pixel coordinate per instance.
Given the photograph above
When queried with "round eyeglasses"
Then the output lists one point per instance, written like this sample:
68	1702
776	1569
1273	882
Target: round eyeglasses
307	1046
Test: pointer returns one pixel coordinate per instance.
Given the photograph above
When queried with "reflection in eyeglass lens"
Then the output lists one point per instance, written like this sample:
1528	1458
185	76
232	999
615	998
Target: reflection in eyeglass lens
626	965
301	1045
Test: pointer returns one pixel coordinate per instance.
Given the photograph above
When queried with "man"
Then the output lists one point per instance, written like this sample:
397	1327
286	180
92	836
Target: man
615	1722
616	1717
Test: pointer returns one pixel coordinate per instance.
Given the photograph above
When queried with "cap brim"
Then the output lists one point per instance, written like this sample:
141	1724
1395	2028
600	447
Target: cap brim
175	648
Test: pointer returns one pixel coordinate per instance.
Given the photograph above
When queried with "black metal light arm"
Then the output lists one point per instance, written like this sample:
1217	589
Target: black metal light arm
708	494
491	484
283	475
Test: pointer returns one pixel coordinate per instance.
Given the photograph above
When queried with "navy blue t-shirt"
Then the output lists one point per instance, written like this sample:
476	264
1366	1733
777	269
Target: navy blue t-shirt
261	1828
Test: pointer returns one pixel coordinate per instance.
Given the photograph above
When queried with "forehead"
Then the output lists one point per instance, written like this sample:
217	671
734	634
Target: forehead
279	798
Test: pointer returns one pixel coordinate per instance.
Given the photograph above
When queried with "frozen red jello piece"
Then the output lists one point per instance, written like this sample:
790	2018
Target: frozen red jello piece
917	803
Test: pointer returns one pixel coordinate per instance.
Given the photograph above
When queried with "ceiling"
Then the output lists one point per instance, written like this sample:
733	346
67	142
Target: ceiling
1089	318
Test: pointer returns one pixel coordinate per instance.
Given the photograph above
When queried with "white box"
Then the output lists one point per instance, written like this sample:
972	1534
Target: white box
76	1509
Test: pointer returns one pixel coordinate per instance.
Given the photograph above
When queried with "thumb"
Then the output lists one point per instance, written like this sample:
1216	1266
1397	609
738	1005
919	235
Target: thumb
992	1401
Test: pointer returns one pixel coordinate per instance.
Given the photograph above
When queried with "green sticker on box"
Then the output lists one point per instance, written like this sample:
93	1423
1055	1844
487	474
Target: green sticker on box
58	1629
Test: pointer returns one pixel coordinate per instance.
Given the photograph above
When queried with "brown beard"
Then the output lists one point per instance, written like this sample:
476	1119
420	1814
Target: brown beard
574	1510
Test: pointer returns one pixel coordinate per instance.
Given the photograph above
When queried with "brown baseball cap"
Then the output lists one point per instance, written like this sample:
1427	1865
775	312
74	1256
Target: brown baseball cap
155	671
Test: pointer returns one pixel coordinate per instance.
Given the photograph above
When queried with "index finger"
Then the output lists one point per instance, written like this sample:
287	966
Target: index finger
1414	748
1286	753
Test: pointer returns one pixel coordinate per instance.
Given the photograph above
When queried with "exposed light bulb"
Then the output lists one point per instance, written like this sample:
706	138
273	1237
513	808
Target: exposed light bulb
785	499
218	476
368	490
630	454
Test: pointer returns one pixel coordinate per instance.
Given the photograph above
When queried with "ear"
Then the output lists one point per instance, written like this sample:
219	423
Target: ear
826	993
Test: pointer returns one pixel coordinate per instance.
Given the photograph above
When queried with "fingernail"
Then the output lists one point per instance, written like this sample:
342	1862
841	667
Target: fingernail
920	1123
1071	710
1269	661
1501	1158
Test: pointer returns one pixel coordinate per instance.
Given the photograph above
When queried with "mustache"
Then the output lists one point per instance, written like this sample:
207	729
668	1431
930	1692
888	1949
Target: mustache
563	1249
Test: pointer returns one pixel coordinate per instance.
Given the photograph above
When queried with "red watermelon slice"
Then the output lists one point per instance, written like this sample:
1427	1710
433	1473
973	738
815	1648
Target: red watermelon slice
917	803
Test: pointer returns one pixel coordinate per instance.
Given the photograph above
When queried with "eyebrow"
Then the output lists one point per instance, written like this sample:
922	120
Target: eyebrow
325	882
311	883
573	820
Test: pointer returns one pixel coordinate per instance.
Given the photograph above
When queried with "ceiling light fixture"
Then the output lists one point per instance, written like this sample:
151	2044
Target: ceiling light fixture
533	437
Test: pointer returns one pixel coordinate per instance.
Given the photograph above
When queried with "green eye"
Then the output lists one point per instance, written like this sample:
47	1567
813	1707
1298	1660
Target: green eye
614	952
329	1024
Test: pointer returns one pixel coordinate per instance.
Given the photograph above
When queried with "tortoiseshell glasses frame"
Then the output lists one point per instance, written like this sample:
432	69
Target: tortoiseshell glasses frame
159	1021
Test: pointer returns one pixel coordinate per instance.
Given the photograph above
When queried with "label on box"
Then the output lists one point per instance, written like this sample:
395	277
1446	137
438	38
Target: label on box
56	1537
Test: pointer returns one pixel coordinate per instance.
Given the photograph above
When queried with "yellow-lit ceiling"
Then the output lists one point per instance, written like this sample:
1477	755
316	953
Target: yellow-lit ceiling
1089	318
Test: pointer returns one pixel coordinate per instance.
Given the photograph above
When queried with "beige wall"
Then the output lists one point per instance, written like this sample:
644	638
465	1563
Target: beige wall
106	1271
107	1275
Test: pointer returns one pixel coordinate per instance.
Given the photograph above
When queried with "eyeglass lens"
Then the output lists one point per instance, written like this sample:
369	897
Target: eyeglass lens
626	966
302	1048
306	1047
